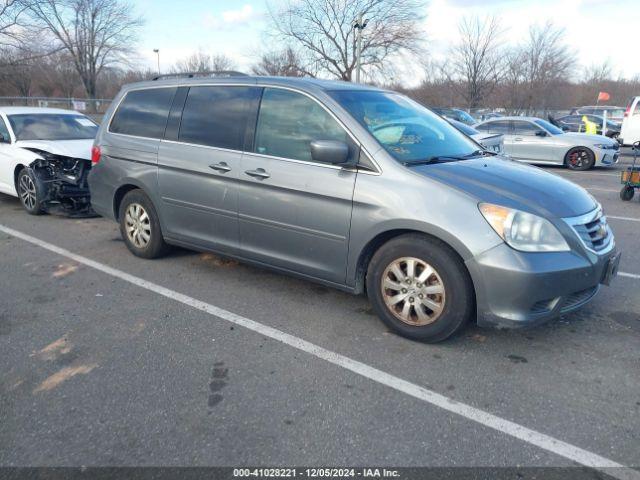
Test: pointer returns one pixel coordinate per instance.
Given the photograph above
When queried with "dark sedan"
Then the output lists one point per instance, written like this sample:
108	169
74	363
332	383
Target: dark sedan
574	123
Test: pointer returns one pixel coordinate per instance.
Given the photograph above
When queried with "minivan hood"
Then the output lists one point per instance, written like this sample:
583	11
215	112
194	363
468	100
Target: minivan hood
511	184
68	148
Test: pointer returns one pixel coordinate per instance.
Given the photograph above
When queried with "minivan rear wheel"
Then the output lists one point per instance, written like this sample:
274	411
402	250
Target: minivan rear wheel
140	227
420	288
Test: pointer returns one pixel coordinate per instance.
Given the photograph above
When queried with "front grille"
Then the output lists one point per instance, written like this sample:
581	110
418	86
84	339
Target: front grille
578	298
593	231
543	306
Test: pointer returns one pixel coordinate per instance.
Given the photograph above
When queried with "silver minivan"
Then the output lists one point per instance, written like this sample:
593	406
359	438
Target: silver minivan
355	187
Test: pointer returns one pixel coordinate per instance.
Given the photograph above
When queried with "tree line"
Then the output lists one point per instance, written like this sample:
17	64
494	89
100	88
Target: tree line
87	48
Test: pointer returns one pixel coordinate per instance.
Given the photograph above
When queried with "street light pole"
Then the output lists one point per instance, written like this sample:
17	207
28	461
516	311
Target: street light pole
358	25
157	52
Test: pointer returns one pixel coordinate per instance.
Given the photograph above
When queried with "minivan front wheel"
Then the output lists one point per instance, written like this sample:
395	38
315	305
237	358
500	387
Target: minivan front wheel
140	227
420	288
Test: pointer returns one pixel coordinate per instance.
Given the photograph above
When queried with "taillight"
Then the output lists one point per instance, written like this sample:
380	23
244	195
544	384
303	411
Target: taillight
626	112
95	154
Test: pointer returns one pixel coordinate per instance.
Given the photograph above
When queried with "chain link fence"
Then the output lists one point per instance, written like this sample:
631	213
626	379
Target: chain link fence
92	107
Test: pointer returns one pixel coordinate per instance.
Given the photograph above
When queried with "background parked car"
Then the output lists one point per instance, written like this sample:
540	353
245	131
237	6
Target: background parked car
45	157
630	131
613	113
455	114
491	142
574	123
534	140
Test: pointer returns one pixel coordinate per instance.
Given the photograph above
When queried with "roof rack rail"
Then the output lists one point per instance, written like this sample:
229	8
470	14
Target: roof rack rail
214	73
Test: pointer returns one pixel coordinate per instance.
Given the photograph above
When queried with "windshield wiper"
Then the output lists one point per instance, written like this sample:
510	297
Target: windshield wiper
447	158
435	159
481	153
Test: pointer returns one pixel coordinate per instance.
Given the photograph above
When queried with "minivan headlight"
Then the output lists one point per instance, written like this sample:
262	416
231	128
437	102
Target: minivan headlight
523	231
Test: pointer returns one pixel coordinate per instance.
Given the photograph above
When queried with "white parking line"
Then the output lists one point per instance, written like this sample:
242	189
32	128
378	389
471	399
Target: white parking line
626	219
582	175
533	437
596	189
629	275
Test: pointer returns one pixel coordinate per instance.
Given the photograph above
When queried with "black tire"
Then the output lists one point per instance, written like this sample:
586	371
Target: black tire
579	158
627	193
155	246
457	301
29	192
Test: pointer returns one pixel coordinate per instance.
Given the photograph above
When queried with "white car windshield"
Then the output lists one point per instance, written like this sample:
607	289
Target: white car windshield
549	127
52	126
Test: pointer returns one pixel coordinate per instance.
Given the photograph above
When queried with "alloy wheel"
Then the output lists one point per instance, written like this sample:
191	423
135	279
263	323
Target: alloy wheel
27	192
578	158
413	291
137	225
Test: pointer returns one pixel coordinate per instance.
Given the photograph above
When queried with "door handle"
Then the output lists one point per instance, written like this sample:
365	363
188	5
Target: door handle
221	167
258	173
518	139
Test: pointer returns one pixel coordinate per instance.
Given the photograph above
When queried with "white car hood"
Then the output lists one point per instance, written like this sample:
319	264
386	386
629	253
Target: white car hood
68	148
585	138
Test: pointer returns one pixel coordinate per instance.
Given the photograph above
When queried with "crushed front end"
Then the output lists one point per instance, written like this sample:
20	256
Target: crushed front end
62	182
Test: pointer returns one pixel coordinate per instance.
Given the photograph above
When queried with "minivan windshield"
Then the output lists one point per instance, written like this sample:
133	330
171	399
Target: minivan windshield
408	131
52	126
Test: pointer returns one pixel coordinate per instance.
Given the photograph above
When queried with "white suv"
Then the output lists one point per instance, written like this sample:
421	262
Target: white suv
630	132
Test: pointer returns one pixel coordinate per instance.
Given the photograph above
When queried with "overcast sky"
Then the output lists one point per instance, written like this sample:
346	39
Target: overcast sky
597	30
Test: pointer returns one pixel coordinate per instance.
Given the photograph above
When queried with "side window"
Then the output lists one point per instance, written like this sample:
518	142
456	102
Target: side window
288	122
143	113
4	131
217	116
483	128
500	126
524	128
636	111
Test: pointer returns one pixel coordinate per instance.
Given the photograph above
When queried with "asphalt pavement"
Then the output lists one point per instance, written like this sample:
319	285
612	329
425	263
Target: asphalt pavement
194	359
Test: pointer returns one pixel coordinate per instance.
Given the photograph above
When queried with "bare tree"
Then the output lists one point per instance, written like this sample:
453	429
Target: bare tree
544	59
200	61
286	63
11	12
58	74
322	31
475	63
95	33
598	73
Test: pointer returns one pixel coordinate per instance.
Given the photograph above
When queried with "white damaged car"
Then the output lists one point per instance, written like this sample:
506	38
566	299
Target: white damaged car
45	156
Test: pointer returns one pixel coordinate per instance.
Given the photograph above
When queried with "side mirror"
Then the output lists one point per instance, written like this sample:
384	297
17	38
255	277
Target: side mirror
541	133
3	139
565	128
330	151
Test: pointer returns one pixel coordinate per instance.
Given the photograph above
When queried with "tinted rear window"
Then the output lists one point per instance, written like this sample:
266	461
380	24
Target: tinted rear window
143	113
217	116
498	126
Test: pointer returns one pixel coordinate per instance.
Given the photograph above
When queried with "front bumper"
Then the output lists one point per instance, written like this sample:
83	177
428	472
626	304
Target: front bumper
607	157
518	289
